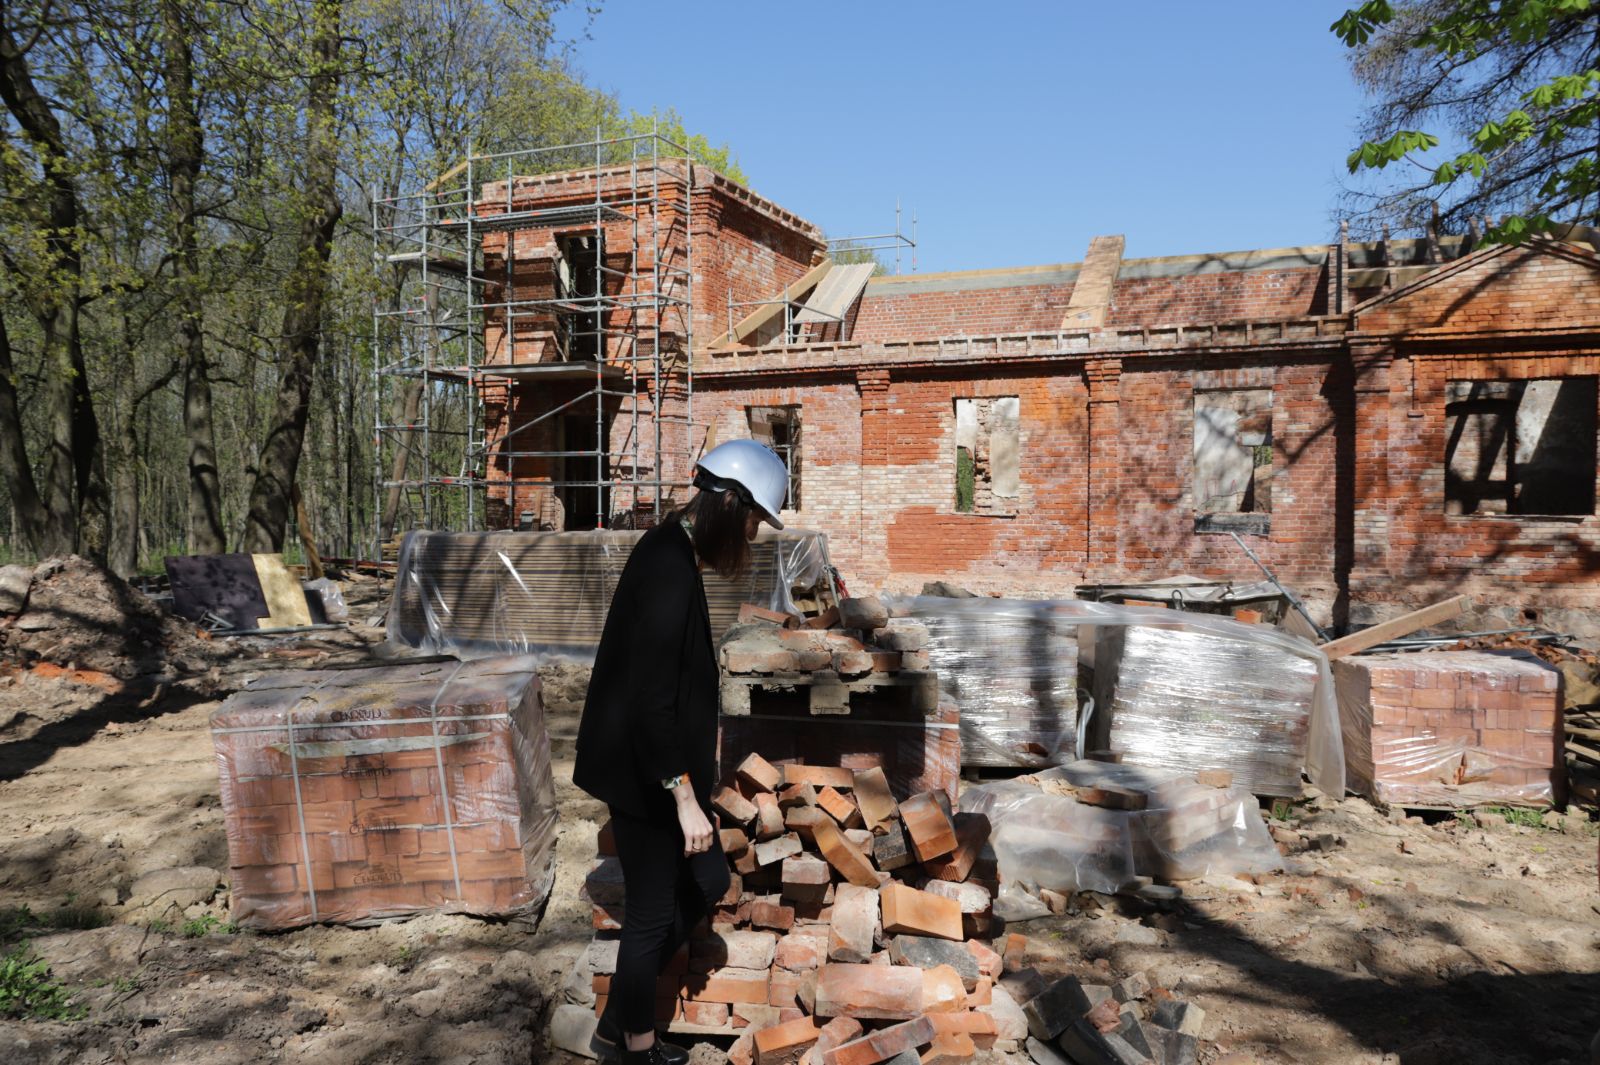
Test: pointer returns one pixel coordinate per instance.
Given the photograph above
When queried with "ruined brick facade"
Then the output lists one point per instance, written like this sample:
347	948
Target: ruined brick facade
1350	371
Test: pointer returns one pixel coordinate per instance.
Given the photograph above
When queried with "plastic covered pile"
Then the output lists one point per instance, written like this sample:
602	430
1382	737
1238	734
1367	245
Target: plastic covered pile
1452	728
1012	667
1170	689
1199	698
546	594
353	796
1055	842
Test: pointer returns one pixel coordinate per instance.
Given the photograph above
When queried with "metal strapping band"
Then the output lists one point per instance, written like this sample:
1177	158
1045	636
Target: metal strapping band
299	803
444	784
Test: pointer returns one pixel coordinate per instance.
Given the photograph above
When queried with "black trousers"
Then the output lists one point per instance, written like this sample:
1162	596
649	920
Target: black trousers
667	894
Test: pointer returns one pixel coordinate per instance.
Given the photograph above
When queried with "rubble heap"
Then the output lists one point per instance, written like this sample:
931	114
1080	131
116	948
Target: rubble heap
859	927
74	613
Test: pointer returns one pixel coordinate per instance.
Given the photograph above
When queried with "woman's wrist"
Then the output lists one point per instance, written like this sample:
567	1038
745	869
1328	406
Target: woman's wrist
682	792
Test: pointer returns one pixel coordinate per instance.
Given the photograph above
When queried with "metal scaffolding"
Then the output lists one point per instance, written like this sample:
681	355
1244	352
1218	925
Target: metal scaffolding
611	338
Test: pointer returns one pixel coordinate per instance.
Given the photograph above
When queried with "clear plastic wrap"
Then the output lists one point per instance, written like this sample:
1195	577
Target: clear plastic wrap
1452	728
1186	829
332	598
1171	689
546	594
353	796
1012	667
1195	699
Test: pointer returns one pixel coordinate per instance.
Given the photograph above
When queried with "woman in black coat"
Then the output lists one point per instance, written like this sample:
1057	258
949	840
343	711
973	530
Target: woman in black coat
648	738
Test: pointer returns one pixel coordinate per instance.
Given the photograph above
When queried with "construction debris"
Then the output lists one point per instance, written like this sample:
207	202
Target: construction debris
76	615
814	943
353	796
1093	826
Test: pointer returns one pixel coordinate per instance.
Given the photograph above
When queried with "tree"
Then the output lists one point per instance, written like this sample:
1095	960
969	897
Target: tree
1496	103
305	289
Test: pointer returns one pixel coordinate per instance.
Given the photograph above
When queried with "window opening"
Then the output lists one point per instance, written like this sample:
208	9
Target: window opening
1233	460
579	327
988	455
779	429
1520	447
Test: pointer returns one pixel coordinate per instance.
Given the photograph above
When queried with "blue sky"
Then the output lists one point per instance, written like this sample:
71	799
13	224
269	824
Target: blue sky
1016	130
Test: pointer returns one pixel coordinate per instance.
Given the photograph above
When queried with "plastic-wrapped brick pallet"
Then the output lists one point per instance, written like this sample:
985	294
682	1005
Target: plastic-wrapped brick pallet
1186	830
499	593
1175	697
1172	690
1452	728
1012	667
352	796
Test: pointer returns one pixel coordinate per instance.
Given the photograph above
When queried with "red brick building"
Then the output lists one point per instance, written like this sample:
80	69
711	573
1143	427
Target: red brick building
1386	423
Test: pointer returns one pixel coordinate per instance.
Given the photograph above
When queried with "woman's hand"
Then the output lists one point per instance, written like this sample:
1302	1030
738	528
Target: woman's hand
692	820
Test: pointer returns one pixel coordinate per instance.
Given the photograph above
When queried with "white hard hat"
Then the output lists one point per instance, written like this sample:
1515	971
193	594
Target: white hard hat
752	470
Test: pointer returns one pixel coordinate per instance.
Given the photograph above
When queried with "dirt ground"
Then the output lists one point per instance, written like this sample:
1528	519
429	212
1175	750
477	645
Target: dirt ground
1456	940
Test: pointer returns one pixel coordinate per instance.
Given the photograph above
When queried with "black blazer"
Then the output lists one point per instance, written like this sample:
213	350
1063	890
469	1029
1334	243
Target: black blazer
651	711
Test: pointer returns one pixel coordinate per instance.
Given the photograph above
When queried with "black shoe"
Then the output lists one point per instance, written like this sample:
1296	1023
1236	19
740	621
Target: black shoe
609	1044
657	1053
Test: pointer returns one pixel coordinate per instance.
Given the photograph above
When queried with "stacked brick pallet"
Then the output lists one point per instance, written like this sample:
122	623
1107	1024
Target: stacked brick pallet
849	688
353	796
856	925
1452	728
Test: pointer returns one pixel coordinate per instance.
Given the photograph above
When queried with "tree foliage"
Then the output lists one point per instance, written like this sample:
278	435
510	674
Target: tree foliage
1492	107
186	297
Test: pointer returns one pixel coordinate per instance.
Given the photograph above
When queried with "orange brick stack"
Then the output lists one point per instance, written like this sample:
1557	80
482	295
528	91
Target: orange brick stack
1451	728
818	954
356	795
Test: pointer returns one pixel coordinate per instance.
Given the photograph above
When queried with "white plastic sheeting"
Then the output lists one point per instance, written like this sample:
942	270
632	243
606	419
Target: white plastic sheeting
1193	691
1187	830
479	594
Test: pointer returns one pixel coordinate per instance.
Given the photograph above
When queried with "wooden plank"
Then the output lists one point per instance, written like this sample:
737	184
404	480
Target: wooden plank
1583	754
1583	733
286	602
1393	629
446	176
764	314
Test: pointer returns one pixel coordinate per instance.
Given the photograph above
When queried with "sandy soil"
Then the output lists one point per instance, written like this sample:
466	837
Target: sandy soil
1460	941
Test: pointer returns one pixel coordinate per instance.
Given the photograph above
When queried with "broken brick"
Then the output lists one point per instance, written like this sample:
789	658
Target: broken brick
759	773
771	915
905	909
735	807
797	795
892	850
1015	951
776	850
805	879
950	1048
854	925
836	1032
769	819
785	1044
844	855
1053	1009
980	1027
818	776
733	841
801	953
839	808
925	953
727	985
989	963
803	820
1214	778
868	992
865	613
942	990
874	798
883	1044
971	833
932	834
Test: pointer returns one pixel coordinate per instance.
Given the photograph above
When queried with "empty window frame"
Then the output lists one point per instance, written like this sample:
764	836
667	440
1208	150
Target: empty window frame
1520	447
1233	460
779	429
580	325
988	455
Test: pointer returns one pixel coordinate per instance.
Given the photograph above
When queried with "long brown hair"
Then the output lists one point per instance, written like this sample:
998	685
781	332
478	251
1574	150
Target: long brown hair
719	518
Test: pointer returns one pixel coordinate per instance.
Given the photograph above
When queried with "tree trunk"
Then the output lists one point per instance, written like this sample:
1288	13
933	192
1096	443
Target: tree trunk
304	293
71	432
184	154
28	516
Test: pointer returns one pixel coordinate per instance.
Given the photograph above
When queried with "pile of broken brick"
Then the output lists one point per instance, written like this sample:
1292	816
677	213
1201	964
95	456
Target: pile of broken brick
857	930
854	639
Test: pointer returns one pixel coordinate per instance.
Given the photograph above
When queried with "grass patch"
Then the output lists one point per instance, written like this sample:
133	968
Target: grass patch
1518	815
204	925
28	991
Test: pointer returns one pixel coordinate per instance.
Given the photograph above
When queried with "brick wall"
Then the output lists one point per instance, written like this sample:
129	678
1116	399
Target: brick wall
1218	297
885	314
